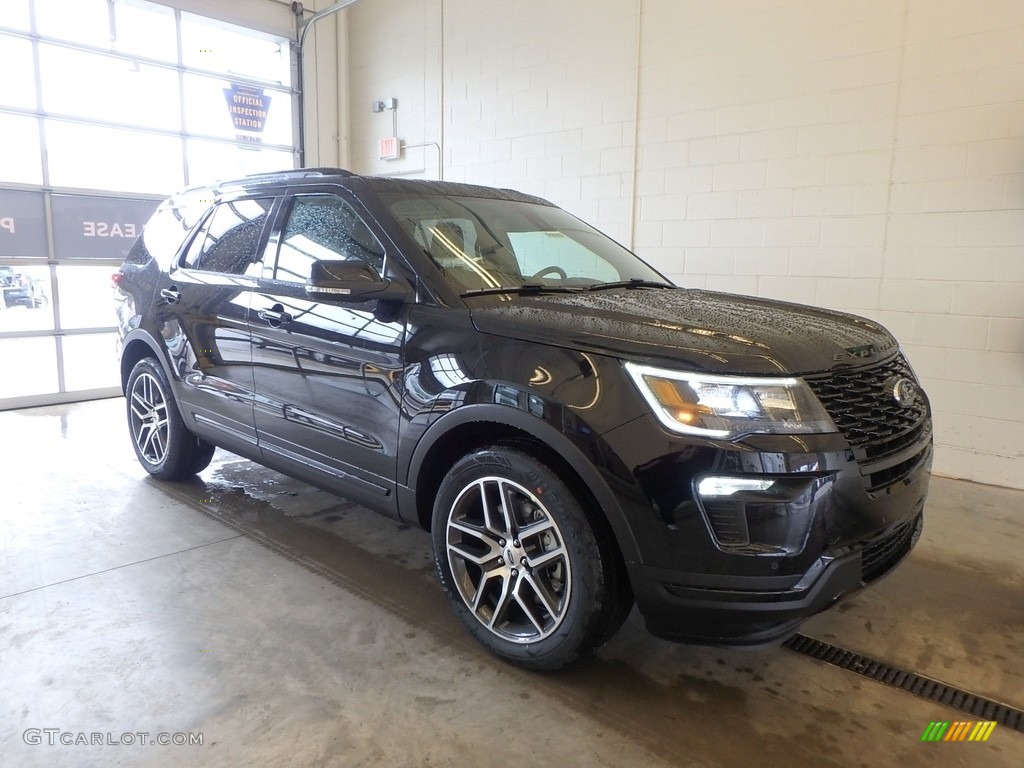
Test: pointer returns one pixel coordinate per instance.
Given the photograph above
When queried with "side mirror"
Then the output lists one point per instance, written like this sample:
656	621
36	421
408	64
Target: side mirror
350	281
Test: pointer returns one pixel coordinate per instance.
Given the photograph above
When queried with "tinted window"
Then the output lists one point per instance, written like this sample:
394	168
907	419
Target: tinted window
229	241
324	228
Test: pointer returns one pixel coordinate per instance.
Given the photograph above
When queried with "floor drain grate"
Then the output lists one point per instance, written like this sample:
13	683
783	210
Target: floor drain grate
911	682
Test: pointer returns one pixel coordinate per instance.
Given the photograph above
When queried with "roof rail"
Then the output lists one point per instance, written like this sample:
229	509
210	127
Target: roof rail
298	173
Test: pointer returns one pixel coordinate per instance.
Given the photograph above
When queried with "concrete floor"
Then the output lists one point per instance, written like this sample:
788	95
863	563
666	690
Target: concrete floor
292	628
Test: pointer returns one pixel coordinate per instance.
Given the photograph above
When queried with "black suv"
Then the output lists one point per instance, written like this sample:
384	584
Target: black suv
575	431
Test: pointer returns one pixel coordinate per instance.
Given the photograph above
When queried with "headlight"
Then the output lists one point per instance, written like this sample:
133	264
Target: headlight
729	406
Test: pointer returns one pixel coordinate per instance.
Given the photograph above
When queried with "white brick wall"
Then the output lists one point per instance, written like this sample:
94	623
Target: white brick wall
866	155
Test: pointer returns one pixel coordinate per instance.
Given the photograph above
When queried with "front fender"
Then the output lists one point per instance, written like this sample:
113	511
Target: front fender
547	423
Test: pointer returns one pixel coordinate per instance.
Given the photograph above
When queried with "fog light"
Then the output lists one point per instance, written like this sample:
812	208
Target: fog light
760	515
727	486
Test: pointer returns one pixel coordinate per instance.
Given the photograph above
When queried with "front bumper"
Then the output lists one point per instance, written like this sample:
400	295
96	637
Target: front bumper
741	542
755	612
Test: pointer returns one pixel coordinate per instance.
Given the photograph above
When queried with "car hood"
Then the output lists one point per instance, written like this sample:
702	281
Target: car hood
699	330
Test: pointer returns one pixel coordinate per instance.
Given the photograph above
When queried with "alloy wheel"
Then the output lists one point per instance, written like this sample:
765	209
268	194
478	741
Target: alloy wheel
149	420
509	559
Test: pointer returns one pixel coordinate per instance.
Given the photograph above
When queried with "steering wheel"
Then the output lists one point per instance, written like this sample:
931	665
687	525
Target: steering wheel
553	268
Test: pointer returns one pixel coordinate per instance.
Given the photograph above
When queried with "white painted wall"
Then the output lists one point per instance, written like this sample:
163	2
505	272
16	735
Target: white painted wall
325	85
865	155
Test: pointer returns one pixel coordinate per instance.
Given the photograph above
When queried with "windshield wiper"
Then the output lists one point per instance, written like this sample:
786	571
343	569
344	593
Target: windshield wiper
636	282
528	289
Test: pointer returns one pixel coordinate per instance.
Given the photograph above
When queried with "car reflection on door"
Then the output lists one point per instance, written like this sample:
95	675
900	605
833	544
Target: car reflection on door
327	382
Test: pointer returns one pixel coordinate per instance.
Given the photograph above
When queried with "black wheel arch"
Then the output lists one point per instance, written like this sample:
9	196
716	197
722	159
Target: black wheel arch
135	346
475	426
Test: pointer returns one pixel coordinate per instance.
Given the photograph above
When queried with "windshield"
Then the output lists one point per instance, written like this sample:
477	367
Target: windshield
481	243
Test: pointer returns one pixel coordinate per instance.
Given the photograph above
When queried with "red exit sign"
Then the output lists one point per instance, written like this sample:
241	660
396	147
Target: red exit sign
390	148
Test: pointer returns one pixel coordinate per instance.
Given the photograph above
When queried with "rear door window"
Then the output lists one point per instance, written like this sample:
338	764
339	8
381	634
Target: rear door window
229	240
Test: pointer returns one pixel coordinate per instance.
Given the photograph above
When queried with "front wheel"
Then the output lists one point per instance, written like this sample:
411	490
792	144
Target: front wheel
522	566
162	442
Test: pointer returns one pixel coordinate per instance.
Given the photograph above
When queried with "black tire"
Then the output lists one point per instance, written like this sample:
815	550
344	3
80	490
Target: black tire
539	586
164	446
201	457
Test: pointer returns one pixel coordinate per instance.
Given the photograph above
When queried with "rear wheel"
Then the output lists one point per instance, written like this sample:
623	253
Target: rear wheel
522	566
162	442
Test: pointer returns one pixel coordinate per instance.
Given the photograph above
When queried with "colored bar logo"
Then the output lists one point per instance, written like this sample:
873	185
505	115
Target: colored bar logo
959	730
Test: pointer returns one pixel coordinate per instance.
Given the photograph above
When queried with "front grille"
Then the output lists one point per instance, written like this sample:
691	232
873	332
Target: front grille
879	480
881	431
879	558
866	413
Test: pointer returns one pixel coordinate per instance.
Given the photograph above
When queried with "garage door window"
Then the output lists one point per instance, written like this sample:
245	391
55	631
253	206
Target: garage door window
112	106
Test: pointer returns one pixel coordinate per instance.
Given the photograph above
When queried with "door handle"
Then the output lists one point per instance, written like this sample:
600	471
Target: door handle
171	294
275	316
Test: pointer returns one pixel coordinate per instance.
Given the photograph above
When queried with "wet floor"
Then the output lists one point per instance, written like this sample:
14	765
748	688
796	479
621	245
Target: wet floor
285	626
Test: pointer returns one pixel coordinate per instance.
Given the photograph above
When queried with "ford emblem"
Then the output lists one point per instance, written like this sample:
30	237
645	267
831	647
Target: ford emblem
903	391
